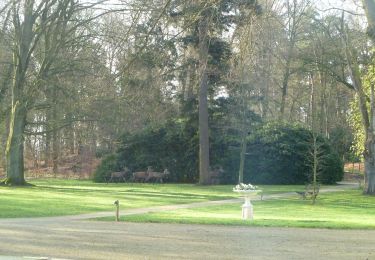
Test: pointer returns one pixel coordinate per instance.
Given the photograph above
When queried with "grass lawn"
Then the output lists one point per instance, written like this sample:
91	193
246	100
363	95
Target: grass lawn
53	197
341	210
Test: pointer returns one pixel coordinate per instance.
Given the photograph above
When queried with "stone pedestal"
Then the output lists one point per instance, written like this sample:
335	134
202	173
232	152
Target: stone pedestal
247	207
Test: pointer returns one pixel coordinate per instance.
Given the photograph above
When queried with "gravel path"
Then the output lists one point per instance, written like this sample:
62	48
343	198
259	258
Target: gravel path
73	237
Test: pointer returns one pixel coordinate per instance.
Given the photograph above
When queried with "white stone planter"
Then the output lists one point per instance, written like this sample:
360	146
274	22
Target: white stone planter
247	207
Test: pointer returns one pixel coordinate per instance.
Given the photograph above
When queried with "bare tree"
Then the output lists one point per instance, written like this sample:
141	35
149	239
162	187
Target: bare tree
295	12
31	21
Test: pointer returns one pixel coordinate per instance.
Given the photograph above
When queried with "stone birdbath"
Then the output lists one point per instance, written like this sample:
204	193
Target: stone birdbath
248	191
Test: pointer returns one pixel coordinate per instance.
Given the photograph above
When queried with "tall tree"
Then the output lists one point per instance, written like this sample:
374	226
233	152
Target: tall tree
295	13
244	76
30	21
368	117
24	42
365	98
204	150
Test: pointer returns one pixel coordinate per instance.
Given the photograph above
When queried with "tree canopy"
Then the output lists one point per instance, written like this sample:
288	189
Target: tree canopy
83	78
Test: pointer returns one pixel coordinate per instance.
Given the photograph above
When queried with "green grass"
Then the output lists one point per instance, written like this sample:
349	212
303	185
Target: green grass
337	210
52	197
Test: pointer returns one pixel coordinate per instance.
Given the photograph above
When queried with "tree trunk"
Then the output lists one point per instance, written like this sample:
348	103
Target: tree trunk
370	187
242	157
15	145
369	6
24	36
369	160
55	132
284	90
367	114
69	134
204	151
48	138
315	154
266	89
55	151
188	92
312	105
370	169
369	155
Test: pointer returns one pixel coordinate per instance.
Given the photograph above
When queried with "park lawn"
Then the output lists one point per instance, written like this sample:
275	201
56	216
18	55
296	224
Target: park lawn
54	197
338	210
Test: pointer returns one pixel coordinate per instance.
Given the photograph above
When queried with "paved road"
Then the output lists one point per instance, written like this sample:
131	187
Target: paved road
76	238
103	240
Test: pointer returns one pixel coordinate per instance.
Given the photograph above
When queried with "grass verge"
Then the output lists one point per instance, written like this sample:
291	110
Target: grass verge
336	210
53	197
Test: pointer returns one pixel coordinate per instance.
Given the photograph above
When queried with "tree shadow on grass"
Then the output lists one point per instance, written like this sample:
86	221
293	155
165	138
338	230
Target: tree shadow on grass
134	192
6	183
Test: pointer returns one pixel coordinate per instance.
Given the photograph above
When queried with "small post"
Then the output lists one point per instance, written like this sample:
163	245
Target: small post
117	203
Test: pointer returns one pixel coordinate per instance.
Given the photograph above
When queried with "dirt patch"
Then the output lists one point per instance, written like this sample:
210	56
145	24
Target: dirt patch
70	167
354	167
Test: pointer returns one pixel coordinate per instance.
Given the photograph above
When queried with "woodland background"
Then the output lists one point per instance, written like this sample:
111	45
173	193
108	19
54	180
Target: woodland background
81	80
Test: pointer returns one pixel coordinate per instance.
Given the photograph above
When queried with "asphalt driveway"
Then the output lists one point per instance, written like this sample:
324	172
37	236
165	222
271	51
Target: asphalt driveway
111	240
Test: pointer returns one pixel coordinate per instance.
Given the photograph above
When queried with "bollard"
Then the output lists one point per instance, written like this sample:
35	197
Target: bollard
117	203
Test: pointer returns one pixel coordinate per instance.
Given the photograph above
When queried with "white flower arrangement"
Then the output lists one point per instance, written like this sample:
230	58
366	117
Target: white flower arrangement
245	187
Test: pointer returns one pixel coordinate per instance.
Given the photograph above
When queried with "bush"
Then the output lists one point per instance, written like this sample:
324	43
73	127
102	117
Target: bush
276	153
109	164
173	146
281	154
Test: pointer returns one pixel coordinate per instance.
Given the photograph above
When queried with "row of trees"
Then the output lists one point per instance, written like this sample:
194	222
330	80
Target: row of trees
75	75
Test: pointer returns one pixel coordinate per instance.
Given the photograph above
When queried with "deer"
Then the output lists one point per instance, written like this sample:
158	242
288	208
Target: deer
216	174
142	176
157	176
119	175
309	192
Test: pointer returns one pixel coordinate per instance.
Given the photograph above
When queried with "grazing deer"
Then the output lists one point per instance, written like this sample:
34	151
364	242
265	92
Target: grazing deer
216	174
309	192
141	176
157	176
119	175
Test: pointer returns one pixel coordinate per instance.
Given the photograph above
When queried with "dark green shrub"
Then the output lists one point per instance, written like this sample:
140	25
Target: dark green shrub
341	140
109	164
332	169
173	146
281	154
276	154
